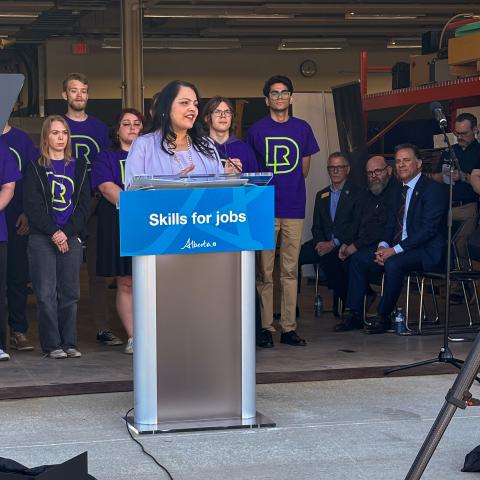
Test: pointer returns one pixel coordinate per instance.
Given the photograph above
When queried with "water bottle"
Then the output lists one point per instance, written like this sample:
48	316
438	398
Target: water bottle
400	326
318	305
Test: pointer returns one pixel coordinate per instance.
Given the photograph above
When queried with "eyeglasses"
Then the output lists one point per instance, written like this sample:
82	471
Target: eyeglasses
462	134
276	95
377	172
222	113
131	125
336	168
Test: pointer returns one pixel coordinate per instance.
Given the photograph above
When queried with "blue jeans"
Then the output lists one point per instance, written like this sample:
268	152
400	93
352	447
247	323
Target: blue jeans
56	282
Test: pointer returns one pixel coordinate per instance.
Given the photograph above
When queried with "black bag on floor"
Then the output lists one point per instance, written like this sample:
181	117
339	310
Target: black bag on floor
472	461
74	469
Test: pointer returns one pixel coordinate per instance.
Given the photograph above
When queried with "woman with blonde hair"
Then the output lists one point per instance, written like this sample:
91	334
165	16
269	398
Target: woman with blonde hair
56	203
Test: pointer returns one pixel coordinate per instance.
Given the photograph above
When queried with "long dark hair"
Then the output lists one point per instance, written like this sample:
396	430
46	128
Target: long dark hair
160	111
118	120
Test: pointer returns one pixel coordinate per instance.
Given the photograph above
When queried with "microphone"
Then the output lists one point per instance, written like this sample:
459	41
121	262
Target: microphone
437	112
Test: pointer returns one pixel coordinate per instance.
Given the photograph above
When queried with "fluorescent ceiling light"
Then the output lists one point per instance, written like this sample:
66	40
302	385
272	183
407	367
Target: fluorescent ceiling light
404	43
18	15
210	13
312	44
180	43
380	16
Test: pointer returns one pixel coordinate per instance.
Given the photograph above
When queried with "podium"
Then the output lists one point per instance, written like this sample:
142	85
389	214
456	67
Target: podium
193	243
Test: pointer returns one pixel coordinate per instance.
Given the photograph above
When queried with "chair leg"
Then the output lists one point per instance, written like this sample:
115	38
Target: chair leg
421	310
467	304
435	304
407	305
474	283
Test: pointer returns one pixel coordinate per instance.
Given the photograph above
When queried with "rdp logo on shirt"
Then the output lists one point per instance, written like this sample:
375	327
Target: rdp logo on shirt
281	153
61	186
85	147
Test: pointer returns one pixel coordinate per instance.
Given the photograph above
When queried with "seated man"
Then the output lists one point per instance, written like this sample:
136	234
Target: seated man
335	221
377	202
414	239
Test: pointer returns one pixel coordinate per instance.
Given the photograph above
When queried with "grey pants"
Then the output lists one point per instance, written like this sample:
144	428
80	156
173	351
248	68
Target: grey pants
56	282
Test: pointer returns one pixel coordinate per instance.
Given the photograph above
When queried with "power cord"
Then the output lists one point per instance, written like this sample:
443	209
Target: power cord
143	448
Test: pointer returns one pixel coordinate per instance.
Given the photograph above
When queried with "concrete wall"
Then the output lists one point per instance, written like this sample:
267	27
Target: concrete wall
232	73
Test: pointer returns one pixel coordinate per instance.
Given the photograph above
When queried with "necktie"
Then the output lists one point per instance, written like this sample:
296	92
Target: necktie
401	212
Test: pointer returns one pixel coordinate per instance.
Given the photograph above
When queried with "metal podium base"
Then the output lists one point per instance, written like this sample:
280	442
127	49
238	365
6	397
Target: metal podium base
259	421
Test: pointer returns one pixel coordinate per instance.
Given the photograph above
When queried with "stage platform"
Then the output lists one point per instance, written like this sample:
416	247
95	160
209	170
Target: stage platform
328	355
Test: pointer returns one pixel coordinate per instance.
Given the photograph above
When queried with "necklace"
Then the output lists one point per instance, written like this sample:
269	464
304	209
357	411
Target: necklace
181	162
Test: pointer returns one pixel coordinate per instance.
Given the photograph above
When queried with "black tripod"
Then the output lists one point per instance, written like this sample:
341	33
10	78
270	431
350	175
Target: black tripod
445	355
458	396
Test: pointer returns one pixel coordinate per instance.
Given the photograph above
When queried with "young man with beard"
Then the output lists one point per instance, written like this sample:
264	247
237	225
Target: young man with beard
89	135
377	202
283	145
413	239
24	151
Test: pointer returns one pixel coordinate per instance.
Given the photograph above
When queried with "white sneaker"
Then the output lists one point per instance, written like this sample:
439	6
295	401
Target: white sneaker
129	347
56	354
73	353
4	356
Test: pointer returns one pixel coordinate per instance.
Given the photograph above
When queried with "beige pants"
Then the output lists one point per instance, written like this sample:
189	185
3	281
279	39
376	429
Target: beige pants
466	216
290	231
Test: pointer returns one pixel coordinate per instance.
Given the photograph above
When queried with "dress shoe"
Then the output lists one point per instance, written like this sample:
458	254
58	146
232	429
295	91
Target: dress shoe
265	339
350	321
291	338
377	325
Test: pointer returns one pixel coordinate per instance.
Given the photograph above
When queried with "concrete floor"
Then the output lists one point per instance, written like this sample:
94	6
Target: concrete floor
355	429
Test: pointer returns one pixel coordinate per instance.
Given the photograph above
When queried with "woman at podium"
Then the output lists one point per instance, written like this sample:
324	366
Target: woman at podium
108	175
176	143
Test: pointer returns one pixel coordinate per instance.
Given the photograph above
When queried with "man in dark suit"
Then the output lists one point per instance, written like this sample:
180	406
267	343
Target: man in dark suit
414	239
377	203
335	222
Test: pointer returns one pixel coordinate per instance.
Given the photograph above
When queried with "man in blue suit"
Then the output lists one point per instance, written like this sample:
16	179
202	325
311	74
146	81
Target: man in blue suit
414	239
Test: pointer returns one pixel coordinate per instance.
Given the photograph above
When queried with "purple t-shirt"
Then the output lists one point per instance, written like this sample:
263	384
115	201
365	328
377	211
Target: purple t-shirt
88	138
24	151
235	148
109	166
61	178
9	172
279	148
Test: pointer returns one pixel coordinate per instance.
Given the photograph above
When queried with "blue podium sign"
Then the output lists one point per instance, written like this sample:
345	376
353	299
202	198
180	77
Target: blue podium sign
196	220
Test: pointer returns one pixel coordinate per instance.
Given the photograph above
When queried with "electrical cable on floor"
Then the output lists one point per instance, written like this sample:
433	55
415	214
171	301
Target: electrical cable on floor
143	448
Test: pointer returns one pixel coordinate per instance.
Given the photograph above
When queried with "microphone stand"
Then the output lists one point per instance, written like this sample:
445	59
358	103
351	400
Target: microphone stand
445	355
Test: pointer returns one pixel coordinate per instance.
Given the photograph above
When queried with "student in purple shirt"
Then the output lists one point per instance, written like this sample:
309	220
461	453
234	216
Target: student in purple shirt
9	174
24	151
56	200
89	137
219	116
108	175
283	146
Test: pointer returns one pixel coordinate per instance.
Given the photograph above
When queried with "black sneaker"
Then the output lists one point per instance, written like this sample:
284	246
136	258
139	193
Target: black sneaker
108	338
377	325
265	339
350	321
291	338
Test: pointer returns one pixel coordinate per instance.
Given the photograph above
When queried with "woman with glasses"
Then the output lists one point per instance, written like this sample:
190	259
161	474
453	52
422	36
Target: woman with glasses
219	117
108	176
56	198
176	143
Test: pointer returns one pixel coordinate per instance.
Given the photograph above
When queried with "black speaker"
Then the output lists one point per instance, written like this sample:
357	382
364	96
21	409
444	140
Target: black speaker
400	75
430	42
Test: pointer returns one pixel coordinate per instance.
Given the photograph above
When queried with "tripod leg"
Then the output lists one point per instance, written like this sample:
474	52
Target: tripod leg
455	398
411	365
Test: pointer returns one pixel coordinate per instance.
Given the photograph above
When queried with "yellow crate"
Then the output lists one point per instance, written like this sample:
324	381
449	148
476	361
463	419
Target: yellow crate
463	50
